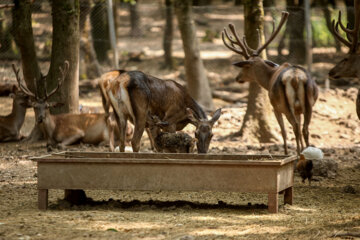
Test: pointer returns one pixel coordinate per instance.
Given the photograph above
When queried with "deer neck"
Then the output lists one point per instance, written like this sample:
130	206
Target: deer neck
49	123
263	74
18	114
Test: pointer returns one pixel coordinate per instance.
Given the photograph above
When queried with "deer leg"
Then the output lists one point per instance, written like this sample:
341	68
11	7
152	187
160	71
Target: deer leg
280	120
122	123
307	119
296	129
298	120
72	139
151	138
138	132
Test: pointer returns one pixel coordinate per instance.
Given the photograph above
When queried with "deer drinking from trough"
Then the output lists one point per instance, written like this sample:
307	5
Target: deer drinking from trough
133	95
291	90
10	125
69	128
350	65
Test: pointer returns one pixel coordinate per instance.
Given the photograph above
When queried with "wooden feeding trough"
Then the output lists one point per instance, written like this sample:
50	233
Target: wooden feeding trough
270	174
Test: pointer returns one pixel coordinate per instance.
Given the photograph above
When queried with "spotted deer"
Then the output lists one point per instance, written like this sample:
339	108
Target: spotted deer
291	90
11	124
133	95
348	66
69	128
177	142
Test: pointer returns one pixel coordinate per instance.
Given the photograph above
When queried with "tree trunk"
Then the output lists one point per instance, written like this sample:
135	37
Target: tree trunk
256	120
135	20
100	30
350	14
327	16
197	82
89	65
295	27
65	47
24	38
168	35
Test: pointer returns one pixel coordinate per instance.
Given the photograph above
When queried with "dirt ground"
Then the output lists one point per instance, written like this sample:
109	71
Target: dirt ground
324	209
329	207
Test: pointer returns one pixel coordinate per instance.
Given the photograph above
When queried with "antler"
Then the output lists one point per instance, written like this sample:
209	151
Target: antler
21	86
245	49
63	72
284	17
241	51
351	34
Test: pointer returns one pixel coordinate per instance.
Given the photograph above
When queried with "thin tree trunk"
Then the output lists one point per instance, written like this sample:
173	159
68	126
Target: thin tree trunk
24	38
135	20
89	65
100	30
295	26
65	47
256	120
168	34
197	82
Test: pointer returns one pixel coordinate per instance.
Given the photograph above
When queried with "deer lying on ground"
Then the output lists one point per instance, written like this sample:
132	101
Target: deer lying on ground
177	142
133	95
10	125
291	90
68	128
349	66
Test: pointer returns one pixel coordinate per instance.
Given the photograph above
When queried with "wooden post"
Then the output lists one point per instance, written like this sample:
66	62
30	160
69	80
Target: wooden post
112	31
42	199
273	203
288	196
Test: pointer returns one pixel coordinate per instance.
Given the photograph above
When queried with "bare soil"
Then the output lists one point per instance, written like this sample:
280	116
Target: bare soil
321	210
329	207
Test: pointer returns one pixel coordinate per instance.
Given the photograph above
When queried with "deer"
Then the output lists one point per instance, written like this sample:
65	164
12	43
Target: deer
349	65
11	124
133	95
69	128
291	89
177	142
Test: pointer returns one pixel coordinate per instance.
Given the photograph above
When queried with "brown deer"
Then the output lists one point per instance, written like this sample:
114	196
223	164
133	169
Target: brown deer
68	128
291	90
348	66
177	142
10	125
133	95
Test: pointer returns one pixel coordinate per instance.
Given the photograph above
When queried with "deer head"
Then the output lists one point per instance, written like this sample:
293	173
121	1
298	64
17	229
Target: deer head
41	104
203	132
348	66
253	65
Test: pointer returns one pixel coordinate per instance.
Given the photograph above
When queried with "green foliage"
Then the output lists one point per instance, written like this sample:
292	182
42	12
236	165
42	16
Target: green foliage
210	35
132	2
321	34
111	230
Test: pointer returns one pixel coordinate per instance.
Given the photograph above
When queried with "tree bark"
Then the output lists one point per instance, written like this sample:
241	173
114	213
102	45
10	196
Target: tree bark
24	39
135	20
295	26
65	47
168	34
197	82
256	122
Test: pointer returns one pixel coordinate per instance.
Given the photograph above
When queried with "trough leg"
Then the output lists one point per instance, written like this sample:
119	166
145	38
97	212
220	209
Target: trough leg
288	196
43	199
273	202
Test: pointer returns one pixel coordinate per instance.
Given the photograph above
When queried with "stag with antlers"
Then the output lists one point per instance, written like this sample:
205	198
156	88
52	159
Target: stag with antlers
348	66
66	129
291	90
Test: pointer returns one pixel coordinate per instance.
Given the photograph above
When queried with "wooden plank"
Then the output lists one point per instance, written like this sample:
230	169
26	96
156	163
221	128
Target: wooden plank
273	203
42	199
288	196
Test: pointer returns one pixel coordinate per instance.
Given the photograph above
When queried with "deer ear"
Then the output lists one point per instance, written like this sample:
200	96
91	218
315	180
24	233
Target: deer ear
241	64
216	116
191	117
271	64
